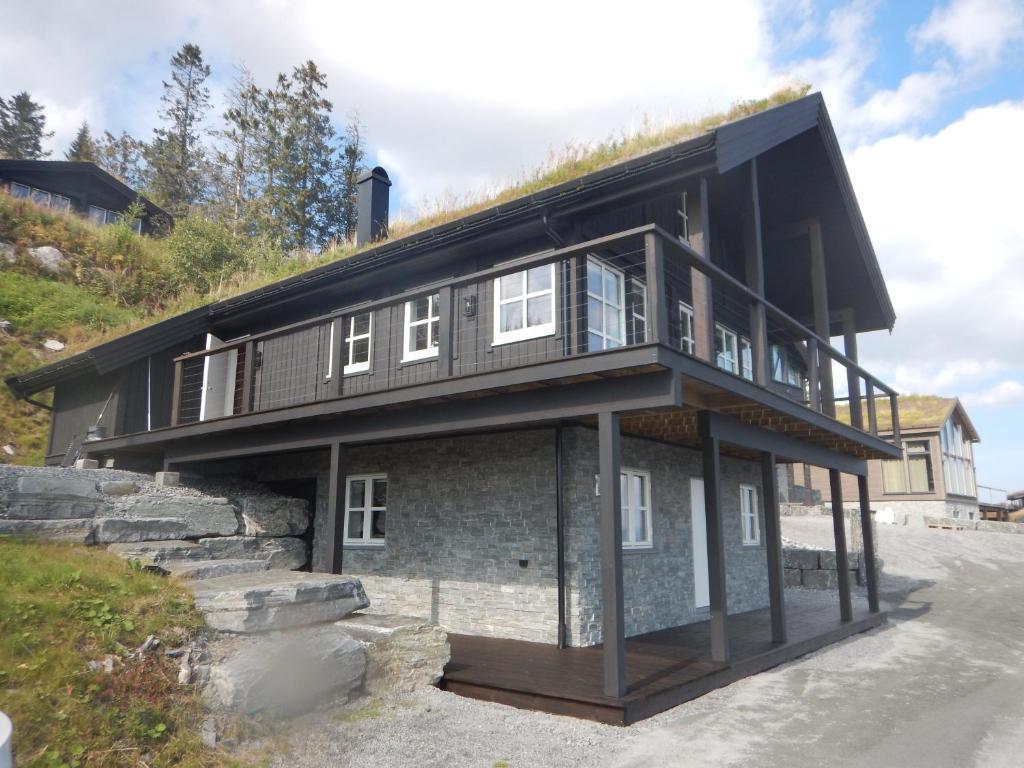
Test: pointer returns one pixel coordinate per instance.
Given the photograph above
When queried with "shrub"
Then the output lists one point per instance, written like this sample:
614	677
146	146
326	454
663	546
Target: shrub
204	252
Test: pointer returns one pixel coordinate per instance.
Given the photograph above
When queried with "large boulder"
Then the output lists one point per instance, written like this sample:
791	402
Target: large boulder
273	515
289	673
402	653
192	570
203	517
109	530
47	258
275	600
8	253
119	487
285	553
58	485
31	506
73	530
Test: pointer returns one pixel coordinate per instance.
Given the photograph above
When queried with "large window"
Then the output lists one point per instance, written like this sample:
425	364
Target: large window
726	349
912	473
357	343
684	319
636	300
422	328
750	521
366	509
524	306
786	367
99	215
746	359
39	196
606	300
957	460
636	509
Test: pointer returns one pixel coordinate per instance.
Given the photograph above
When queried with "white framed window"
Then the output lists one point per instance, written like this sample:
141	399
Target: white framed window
726	349
635	489
524	305
637	301
422	328
684	320
606	306
785	366
357	343
684	219
750	521
366	509
746	359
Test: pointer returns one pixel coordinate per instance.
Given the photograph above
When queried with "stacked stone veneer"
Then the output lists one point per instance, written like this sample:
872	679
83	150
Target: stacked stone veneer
818	568
471	533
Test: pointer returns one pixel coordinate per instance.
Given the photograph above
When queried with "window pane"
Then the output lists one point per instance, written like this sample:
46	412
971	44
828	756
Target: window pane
380	493
40	198
97	215
361	351
639	495
593	278
420	340
361	324
19	190
892	476
511	317
594	342
420	309
595	314
639	526
920	481
377	524
612	283
613	323
355	524
435	332
538	310
538	279
357	493
511	286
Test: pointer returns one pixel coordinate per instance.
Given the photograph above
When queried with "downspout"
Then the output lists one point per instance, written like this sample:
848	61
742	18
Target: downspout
560	536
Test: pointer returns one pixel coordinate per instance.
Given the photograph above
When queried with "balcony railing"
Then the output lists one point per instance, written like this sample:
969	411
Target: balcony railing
638	287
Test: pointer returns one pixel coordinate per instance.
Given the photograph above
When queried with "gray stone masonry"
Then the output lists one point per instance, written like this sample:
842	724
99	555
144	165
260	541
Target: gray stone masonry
817	568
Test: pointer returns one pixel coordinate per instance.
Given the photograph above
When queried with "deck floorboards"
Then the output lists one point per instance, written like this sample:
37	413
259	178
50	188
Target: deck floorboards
663	668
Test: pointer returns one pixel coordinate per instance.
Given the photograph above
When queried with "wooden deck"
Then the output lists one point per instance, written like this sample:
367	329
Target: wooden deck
663	668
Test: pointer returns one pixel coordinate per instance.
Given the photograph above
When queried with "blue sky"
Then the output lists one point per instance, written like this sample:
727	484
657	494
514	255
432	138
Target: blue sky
458	98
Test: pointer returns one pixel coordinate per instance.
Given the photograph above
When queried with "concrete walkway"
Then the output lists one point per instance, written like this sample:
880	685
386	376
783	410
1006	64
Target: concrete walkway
942	685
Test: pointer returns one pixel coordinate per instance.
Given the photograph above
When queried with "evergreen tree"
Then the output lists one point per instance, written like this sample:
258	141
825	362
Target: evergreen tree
122	156
272	156
352	155
83	148
176	157
22	128
238	159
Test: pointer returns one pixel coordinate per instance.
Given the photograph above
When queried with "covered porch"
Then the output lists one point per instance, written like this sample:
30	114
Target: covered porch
663	669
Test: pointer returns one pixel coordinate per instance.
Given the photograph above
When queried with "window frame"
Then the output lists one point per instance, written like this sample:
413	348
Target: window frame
684	219
625	473
350	337
746	358
638	290
367	509
687	341
727	333
750	491
434	306
527	331
604	266
905	476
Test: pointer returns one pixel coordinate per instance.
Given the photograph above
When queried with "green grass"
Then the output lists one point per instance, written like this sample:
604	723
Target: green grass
37	306
62	606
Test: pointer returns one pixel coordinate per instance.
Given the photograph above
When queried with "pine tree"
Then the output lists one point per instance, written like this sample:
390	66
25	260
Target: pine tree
311	216
122	156
83	148
22	128
176	158
352	155
238	159
271	159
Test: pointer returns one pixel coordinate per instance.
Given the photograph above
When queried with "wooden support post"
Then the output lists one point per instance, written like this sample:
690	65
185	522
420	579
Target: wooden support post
446	330
842	561
868	534
813	379
716	546
822	323
613	625
852	377
703	309
894	410
248	371
773	544
176	393
657	304
872	413
338	326
334	526
754	257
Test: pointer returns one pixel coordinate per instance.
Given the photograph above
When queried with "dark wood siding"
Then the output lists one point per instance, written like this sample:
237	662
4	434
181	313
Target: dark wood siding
77	405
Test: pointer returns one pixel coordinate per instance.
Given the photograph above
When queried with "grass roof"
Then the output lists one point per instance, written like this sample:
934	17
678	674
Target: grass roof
916	411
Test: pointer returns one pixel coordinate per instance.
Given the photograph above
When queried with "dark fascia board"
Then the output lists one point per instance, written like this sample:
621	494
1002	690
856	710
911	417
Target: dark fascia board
69	166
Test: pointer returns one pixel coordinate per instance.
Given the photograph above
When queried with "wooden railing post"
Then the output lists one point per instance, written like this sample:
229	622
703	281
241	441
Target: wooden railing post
894	409
657	306
446	310
337	356
872	413
852	377
176	393
248	372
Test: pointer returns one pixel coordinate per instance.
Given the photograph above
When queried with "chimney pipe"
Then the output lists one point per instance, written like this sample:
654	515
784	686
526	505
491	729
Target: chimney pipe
372	208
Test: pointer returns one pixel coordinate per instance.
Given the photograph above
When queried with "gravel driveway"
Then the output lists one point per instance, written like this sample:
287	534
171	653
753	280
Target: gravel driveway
942	685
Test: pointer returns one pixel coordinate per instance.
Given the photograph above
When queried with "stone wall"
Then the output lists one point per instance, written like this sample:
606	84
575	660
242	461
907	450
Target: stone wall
914	512
817	568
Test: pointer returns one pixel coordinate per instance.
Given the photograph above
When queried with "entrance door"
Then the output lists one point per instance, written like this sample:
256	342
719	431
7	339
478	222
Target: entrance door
218	381
699	523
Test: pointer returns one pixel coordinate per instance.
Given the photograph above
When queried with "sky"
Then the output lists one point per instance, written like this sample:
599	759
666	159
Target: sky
460	98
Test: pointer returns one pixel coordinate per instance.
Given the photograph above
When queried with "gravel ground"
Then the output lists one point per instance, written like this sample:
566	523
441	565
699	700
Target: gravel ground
939	686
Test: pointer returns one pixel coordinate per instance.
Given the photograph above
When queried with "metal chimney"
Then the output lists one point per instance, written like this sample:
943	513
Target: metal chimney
372	213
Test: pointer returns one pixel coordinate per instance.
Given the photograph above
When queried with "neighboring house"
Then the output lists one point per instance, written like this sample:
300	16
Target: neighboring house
554	420
84	188
935	476
994	504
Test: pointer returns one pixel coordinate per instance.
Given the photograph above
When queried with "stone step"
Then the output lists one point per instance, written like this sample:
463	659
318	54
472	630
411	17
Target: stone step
276	599
402	653
193	570
283	553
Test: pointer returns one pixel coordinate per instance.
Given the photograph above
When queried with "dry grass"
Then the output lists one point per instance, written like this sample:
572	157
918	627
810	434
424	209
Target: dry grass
916	411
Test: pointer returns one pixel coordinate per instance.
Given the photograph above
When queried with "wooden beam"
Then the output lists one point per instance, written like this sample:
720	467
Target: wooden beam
868	535
334	526
703	309
716	546
839	530
773	545
657	304
613	626
846	317
446	330
822	324
338	354
754	258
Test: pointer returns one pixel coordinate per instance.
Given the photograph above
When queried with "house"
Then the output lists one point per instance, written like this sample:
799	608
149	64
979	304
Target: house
934	477
84	188
550	425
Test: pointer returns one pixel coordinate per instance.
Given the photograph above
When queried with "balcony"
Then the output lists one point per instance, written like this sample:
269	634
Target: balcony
611	306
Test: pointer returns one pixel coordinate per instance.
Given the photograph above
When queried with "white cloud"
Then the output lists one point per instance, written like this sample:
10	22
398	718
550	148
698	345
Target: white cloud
1008	392
977	31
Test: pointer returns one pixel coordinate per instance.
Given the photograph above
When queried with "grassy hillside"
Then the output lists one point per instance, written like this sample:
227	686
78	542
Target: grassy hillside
62	606
114	280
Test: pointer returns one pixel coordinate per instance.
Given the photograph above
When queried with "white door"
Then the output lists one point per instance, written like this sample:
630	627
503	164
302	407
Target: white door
218	381
699	523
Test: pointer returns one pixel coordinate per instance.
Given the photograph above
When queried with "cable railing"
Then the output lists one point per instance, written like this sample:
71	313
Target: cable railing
641	286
